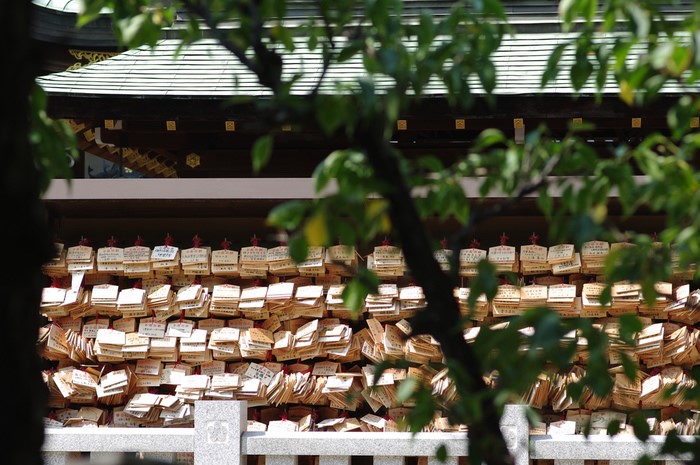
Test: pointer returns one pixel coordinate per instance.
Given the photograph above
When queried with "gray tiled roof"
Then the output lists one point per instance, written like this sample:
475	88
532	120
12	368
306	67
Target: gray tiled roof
207	70
309	8
66	6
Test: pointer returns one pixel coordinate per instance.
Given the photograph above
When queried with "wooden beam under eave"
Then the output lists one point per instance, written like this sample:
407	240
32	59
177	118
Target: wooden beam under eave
439	131
526	105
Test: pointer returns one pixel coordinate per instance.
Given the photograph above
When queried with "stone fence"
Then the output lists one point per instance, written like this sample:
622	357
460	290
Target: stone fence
219	437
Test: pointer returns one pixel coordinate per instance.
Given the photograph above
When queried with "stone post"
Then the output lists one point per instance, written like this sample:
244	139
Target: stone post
218	427
516	432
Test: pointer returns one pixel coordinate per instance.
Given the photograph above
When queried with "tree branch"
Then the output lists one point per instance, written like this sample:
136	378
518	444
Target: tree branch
496	209
441	318
197	9
327	58
268	67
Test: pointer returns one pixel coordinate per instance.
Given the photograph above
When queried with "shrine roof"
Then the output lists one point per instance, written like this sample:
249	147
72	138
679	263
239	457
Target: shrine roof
205	70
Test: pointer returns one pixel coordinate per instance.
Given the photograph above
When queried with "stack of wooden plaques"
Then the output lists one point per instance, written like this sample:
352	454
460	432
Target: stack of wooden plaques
196	323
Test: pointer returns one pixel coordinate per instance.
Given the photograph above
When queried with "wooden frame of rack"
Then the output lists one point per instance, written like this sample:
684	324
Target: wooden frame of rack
236	208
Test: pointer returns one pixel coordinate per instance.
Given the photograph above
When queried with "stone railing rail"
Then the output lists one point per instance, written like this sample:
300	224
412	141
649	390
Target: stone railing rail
219	437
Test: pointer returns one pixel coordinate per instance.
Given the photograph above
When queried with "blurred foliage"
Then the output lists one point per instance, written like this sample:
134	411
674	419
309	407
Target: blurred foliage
627	44
52	141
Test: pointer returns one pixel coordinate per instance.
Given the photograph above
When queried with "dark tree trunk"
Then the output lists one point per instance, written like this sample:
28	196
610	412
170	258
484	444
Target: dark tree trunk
441	319
25	229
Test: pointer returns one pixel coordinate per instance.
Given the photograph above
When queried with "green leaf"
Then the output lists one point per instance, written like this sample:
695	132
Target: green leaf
548	333
441	453
589	9
613	427
640	19
545	202
603	55
316	229
425	30
430	163
630	325
280	8
424	410
89	11
574	390
568	12
661	55
552	70
389	59
330	113
485	282
354	296
327	169
283	35
371	63
678	116
606	295
640	426
495	8
379	370
580	71
298	247
488	138
287	215
349	51
262	150
405	389
313	39
645	459
672	443
392	103
629	366
487	74
131	28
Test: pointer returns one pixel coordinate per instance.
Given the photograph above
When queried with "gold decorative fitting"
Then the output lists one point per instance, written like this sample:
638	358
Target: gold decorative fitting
192	160
460	124
171	125
75	126
88	56
402	125
230	126
287	127
518	123
578	121
636	122
113	124
694	122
